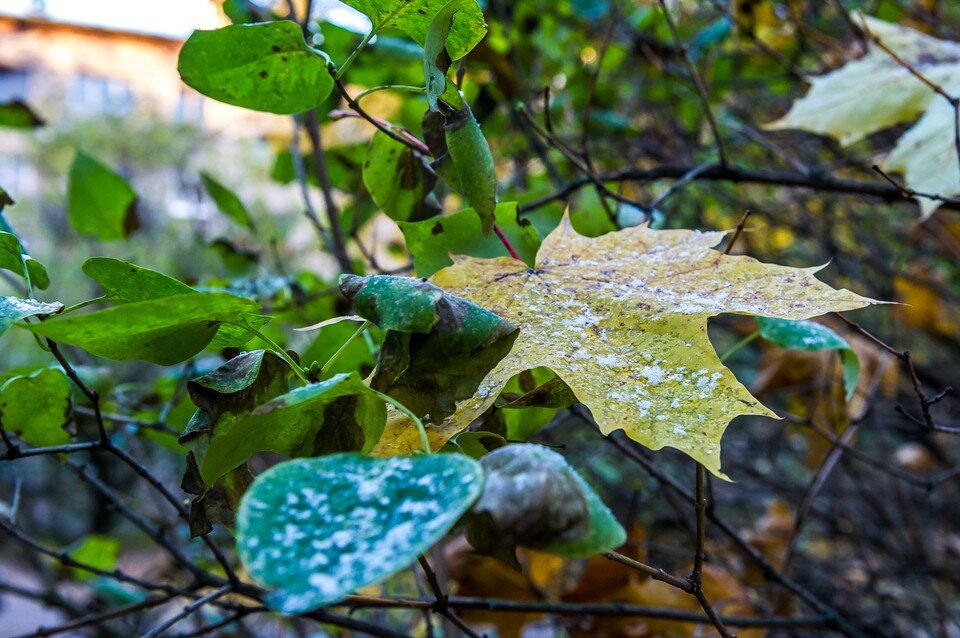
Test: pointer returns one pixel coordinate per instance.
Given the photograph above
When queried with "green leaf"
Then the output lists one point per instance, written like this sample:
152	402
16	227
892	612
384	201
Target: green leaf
399	179
453	345
227	201
473	160
319	529
35	407
404	304
128	283
530	400
533	498
124	282
17	114
13	309
436	59
13	258
812	336
264	67
336	415
164	331
99	201
414	18
97	551
432	241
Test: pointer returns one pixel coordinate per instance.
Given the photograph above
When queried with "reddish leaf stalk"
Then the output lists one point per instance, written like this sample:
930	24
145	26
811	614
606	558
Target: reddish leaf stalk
506	243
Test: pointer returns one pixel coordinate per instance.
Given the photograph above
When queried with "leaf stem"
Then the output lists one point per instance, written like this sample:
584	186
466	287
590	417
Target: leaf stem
389	87
280	352
506	242
740	345
346	344
83	304
424	441
353	54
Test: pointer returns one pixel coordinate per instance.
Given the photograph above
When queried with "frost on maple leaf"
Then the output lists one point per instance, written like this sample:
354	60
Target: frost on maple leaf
622	319
876	91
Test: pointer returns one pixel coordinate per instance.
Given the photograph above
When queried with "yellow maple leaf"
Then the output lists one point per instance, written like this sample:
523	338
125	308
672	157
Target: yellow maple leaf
877	91
622	319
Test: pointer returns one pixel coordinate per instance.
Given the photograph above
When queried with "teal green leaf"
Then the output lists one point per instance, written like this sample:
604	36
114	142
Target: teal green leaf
13	309
36	406
399	179
99	201
316	530
164	331
432	241
17	114
813	336
533	498
404	304
13	258
227	201
264	67
438	347
336	415
414	18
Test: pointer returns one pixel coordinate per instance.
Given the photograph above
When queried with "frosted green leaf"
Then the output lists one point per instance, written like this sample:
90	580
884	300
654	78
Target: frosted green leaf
533	498
13	309
316	530
812	336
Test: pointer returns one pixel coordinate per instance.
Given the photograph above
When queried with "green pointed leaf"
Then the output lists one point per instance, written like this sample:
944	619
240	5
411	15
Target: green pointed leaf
124	282
35	407
473	160
533	498
415	16
264	67
432	241
13	258
317	530
530	400
813	336
399	180
164	331
227	201
438	347
336	415
17	114
13	309
128	283
99	201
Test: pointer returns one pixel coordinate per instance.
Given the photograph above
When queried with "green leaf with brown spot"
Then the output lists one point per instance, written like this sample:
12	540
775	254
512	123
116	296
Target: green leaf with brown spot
265	67
36	406
99	201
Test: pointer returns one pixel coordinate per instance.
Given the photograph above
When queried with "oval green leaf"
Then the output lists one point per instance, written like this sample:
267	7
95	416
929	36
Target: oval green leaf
265	67
99	201
36	407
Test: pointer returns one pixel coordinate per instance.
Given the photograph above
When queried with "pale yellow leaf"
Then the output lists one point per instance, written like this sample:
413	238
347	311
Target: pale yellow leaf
877	91
622	319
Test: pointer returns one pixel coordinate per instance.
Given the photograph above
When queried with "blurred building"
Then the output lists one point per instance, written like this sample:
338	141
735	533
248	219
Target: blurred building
92	71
